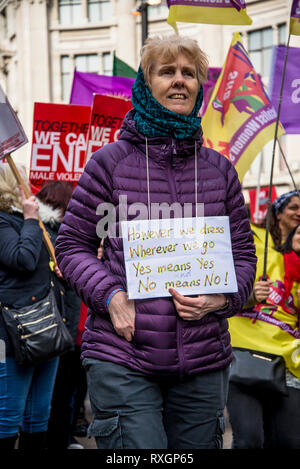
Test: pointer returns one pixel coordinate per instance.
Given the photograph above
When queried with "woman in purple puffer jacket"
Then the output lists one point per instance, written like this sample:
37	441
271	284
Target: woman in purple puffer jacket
157	368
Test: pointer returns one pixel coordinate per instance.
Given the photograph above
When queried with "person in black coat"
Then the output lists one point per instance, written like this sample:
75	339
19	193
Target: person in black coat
56	195
25	392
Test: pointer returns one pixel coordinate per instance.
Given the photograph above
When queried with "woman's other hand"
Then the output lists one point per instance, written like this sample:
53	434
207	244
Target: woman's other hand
262	290
194	308
30	206
122	314
57	271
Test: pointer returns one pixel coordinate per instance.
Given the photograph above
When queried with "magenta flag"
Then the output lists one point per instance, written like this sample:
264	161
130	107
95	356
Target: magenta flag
290	104
85	85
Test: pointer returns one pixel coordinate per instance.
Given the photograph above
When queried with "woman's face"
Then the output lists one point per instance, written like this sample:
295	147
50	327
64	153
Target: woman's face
290	216
174	85
296	241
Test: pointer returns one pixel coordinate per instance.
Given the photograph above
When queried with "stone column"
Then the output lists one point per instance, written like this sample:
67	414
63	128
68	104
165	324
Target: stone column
32	45
126	33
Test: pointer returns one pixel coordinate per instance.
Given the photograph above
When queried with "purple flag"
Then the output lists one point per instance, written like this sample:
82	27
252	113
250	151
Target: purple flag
208	86
290	104
86	84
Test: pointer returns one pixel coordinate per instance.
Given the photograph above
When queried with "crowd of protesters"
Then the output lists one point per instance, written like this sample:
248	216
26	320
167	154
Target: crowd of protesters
268	326
157	371
36	402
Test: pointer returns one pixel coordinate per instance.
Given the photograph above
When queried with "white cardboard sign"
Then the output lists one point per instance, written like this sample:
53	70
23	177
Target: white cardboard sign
191	255
12	135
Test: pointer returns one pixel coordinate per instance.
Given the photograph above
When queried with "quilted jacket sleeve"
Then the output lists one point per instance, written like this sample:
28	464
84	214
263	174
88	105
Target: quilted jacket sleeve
20	251
77	241
243	248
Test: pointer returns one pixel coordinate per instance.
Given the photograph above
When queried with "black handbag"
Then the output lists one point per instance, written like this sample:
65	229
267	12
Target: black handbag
259	371
37	332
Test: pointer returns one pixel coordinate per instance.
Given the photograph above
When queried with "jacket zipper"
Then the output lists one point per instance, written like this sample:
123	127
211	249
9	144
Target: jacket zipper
175	199
174	154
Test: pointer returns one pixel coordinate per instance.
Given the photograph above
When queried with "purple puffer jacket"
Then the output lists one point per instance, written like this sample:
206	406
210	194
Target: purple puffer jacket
163	344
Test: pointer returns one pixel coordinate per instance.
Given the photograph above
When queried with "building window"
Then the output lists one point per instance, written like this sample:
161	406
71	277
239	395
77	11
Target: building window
70	11
87	63
282	34
83	63
66	77
260	50
107	64
99	10
158	11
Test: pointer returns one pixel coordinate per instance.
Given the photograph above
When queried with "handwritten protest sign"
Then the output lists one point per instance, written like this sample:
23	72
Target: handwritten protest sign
58	142
12	135
192	255
106	119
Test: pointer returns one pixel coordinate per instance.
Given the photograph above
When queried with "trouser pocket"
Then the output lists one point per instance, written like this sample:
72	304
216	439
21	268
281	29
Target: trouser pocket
107	432
220	431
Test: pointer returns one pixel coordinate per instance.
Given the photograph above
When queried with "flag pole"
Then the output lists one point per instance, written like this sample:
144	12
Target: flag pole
258	190
264	277
20	181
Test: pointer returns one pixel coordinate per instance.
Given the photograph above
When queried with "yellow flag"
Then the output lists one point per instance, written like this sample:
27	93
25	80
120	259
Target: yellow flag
295	18
271	327
207	11
240	118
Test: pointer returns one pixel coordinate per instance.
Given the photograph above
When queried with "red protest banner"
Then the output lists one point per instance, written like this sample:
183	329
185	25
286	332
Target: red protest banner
258	210
58	143
106	119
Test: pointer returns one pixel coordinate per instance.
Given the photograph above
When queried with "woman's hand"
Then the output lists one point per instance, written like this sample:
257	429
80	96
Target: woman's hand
122	314
30	206
192	309
262	290
57	271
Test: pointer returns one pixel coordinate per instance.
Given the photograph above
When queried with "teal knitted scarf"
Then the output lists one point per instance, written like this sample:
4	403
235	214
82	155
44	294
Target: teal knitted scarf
154	120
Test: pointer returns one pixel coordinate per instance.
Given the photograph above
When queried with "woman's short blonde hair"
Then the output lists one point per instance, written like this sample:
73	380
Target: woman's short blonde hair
167	48
9	187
